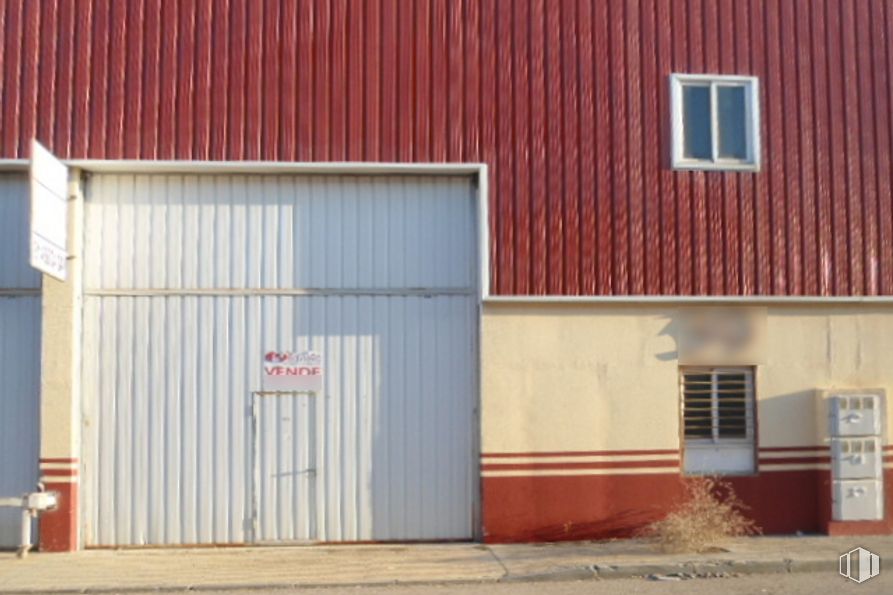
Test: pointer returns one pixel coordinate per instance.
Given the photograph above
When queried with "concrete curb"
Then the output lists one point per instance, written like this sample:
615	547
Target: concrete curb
239	587
693	569
712	568
573	573
676	570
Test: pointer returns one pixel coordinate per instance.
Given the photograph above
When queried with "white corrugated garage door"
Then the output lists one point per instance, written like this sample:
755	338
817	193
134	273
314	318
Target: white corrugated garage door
190	279
19	355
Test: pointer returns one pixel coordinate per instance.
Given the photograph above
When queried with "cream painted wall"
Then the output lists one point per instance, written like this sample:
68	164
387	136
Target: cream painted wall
561	377
60	412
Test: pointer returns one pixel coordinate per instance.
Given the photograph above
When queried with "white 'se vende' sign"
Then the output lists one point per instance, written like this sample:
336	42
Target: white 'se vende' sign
293	371
49	212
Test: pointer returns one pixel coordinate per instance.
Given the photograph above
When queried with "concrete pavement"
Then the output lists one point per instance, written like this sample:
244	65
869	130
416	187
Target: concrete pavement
304	566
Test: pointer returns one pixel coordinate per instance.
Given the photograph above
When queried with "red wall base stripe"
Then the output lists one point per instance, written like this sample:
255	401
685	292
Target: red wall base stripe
569	507
58	528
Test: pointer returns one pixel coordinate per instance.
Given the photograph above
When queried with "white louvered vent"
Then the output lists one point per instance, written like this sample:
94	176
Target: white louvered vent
718	419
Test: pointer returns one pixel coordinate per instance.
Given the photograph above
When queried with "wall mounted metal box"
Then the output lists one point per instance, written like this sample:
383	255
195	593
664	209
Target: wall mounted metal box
855	415
856	458
41	501
858	500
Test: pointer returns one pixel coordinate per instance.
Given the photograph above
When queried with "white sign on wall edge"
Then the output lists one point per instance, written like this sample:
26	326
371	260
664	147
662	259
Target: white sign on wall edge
292	371
49	212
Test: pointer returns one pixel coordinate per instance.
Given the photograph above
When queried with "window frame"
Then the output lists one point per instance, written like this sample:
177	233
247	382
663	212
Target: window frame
751	125
715	442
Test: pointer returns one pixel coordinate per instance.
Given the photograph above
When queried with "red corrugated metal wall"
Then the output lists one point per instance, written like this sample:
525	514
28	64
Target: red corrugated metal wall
565	99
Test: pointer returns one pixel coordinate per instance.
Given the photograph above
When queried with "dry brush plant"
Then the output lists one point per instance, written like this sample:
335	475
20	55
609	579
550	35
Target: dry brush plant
710	514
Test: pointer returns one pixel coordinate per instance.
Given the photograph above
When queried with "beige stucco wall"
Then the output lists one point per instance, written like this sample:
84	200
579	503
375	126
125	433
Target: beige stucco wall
60	345
559	377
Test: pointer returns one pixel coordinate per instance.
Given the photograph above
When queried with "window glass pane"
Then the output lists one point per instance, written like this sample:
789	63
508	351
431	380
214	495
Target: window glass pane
732	412
732	122
698	421
718	401
696	121
697	408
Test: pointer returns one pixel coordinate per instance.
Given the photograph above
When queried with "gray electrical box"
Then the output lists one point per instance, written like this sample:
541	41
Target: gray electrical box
856	458
858	500
856	429
855	415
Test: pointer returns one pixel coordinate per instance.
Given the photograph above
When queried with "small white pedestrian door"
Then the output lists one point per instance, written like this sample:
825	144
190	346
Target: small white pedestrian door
191	279
285	463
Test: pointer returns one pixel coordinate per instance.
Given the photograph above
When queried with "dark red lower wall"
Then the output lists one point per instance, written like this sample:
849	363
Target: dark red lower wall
557	508
58	528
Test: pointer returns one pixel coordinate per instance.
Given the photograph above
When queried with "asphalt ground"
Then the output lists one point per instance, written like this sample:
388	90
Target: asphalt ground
804	583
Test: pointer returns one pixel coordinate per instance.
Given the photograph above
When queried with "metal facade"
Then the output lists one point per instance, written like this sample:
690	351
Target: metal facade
189	280
19	355
566	101
15	270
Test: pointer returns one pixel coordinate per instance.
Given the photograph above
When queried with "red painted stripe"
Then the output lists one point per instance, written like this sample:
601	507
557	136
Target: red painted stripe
566	466
58	528
549	507
59	472
579	453
58	460
795	460
793	448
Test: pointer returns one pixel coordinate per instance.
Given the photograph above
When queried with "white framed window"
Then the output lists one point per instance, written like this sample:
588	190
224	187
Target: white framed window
715	122
717	420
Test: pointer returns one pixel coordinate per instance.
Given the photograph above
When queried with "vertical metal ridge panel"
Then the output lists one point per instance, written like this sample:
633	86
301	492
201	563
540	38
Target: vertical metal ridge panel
879	39
15	270
167	438
566	102
184	231
19	355
19	406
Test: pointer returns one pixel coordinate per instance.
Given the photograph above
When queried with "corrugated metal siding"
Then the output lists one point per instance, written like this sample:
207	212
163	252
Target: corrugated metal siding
201	232
19	356
15	270
385	453
566	100
19	406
